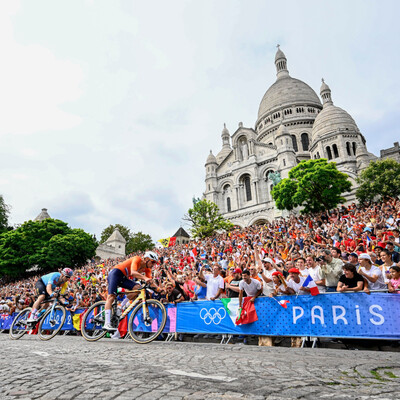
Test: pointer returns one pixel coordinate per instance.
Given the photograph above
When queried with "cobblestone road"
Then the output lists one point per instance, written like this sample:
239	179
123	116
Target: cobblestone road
71	368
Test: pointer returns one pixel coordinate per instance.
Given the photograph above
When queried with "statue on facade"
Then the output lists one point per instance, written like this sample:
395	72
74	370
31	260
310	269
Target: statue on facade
194	200
275	177
244	150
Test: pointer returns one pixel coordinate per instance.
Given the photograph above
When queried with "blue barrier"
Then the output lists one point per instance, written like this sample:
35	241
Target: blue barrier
341	315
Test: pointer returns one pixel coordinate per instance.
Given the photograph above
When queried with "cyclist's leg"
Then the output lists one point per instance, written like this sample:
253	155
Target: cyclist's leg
130	285
114	278
42	293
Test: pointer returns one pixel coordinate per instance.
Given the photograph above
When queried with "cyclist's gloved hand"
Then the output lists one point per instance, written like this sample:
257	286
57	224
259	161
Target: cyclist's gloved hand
66	302
53	294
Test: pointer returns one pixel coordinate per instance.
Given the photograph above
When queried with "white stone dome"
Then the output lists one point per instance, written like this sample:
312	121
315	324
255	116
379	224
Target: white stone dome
332	119
287	91
211	159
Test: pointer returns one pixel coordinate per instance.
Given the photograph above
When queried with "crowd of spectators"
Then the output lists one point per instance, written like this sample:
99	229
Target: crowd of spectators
353	248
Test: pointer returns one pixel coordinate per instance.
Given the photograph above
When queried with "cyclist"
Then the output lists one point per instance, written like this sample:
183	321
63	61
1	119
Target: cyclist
136	267
45	287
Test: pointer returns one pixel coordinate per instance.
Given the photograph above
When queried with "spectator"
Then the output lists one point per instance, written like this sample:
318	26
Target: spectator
350	281
295	282
353	259
387	264
316	273
394	283
394	254
215	283
173	296
301	266
232	288
252	287
371	273
332	270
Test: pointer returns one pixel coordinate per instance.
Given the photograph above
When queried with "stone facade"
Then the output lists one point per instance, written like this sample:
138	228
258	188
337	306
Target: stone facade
292	125
113	247
392	152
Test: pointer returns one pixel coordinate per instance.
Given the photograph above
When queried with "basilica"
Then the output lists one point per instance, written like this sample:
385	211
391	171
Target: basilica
293	125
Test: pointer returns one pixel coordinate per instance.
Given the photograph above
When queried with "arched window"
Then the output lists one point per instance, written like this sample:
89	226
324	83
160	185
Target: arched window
354	148
335	151
348	148
228	204
247	187
305	141
294	141
318	156
328	150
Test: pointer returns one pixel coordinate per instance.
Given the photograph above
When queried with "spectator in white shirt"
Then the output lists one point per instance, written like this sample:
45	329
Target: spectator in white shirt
251	286
371	273
215	282
316	273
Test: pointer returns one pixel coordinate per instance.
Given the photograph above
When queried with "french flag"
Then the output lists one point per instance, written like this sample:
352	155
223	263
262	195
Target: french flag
284	303
309	282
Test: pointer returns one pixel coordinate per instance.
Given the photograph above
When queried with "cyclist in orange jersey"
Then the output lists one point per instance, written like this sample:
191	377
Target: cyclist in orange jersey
135	267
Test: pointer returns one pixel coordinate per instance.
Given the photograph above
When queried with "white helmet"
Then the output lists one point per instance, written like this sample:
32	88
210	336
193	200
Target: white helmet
150	254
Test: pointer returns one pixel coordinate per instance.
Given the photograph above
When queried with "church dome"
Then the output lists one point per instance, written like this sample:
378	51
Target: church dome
211	159
331	118
287	91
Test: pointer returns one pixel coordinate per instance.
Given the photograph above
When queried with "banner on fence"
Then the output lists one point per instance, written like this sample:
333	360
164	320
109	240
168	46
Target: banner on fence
6	320
352	315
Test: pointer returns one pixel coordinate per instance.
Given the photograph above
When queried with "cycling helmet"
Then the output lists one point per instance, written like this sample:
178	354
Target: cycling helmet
150	254
67	272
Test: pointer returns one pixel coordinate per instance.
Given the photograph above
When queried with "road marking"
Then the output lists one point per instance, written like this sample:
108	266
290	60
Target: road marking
196	375
41	353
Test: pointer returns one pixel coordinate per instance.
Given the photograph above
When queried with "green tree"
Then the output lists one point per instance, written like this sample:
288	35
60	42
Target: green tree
139	242
45	245
206	219
315	185
4	213
380	179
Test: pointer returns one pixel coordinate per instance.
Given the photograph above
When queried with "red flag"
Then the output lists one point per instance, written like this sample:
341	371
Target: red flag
248	313
193	252
123	327
172	241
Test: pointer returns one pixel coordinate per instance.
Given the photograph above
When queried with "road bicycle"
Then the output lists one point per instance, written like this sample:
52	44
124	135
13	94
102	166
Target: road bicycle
50	320
145	323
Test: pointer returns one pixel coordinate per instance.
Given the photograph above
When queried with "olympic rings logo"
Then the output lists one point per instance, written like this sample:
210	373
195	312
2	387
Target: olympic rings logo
212	315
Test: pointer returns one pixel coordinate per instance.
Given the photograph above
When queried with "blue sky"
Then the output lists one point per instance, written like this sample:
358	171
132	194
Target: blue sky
109	109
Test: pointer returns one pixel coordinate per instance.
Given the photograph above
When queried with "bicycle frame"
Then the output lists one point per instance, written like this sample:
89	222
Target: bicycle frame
141	297
51	315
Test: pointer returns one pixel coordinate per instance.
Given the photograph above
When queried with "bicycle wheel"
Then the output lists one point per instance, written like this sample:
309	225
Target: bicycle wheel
93	321
146	330
51	322
19	326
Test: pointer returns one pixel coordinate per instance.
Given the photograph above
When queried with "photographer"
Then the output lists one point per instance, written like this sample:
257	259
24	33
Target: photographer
332	269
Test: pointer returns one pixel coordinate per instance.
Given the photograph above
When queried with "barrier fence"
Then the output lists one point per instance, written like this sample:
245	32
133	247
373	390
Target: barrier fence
337	315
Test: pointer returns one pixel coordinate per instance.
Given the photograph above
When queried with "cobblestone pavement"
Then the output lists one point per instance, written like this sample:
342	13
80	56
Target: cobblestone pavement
70	368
